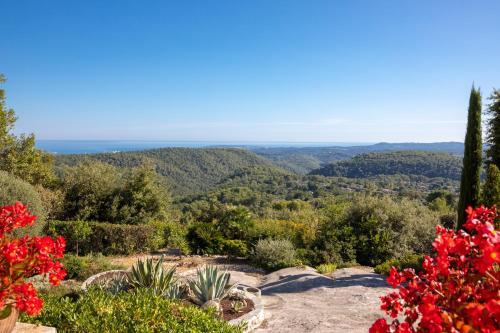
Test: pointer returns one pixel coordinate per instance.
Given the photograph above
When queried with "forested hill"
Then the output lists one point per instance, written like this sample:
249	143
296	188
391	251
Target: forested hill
188	170
305	159
429	164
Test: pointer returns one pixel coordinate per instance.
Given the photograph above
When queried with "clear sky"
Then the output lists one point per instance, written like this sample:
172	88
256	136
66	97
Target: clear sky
269	70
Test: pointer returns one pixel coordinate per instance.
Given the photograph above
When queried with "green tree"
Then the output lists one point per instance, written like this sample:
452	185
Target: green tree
88	191
141	199
471	171
493	129
18	155
491	188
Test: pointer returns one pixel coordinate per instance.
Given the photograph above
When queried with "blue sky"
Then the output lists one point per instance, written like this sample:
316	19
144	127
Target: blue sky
324	71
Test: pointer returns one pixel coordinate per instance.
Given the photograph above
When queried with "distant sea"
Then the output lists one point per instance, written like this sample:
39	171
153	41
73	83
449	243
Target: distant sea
110	146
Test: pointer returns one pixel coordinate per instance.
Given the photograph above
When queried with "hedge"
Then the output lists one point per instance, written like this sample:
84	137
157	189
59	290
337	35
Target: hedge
106	238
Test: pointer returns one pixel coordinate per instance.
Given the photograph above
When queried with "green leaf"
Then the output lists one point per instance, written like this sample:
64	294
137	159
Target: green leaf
5	312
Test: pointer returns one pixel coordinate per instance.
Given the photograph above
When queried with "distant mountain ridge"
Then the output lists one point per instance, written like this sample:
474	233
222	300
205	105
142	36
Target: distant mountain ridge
305	159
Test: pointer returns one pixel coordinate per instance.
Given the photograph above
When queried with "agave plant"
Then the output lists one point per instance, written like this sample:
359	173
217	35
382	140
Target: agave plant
210	284
146	274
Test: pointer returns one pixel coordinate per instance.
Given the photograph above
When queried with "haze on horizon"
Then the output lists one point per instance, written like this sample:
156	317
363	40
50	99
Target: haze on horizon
248	71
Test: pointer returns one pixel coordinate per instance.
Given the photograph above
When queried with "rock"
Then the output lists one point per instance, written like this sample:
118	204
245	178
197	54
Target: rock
214	304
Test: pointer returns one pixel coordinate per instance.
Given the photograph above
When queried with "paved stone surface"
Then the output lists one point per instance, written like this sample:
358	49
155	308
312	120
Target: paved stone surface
30	328
301	300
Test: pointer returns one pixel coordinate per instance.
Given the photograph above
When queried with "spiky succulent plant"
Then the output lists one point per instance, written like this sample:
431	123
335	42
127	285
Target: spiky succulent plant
210	284
146	274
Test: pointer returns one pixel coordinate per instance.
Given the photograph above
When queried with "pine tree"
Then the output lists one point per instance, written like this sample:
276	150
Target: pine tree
493	129
471	171
490	194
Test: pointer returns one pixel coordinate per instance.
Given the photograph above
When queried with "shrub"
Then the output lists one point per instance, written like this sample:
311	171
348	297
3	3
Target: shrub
408	261
81	268
235	247
326	268
107	238
386	228
274	254
203	238
171	234
12	190
457	290
135	311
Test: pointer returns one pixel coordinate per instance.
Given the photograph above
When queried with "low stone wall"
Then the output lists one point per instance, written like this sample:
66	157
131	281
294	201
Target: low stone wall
254	318
104	276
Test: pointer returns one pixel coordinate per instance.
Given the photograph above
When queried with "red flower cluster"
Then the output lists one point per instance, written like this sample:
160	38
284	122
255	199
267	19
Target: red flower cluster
458	290
25	257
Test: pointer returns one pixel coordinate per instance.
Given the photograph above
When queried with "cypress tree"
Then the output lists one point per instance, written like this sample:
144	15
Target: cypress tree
471	171
493	129
491	189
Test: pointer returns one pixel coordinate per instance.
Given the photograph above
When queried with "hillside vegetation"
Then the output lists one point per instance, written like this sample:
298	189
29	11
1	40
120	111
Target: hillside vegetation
429	164
188	170
305	159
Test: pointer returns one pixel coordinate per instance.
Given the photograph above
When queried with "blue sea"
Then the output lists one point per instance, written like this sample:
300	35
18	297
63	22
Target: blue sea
110	146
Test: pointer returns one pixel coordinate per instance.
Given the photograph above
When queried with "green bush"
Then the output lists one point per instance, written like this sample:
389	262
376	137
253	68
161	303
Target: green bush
81	268
13	189
274	254
235	247
106	238
135	311
408	261
171	234
326	268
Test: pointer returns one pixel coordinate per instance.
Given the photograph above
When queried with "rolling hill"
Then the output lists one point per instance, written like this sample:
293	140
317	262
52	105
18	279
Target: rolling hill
188	170
428	164
305	159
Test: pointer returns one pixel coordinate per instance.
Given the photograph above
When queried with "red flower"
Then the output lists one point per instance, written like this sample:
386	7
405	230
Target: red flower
21	258
458	290
380	326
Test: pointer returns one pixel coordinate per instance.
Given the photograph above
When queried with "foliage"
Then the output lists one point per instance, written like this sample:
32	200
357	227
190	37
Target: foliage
146	274
302	160
141	199
490	193
471	171
457	290
336	240
413	261
100	192
12	190
136	311
220	229
189	171
386	228
87	191
18	155
83	267
23	258
210	284
429	164
107	238
493	129
171	234
326	268
235	247
274	254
